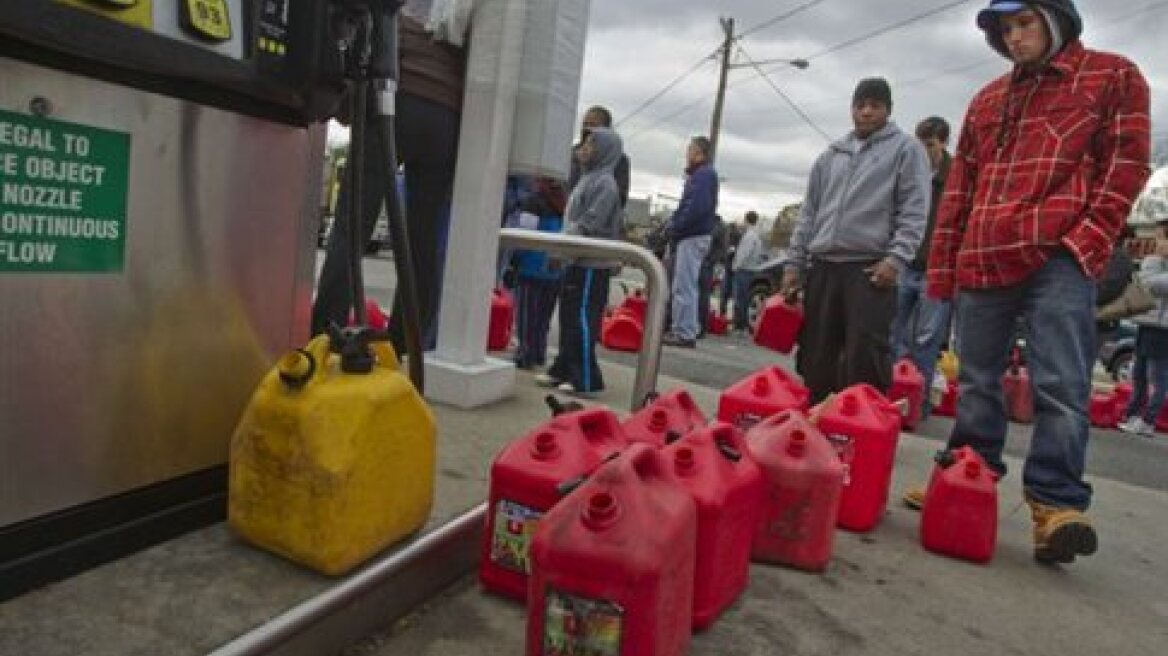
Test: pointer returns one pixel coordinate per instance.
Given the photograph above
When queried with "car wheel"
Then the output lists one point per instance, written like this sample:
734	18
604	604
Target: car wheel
759	294
1121	367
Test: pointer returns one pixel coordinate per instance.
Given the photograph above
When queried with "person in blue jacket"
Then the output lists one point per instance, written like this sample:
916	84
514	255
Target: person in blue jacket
539	277
689	230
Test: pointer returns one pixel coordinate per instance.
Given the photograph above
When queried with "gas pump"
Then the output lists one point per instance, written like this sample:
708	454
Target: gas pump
160	165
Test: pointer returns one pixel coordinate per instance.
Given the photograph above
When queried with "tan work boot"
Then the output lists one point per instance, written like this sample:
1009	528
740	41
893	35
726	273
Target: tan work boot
1060	534
914	497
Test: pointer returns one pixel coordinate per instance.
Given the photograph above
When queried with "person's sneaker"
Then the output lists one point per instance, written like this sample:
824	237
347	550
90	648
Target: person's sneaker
569	388
914	497
680	342
1137	426
1060	534
546	380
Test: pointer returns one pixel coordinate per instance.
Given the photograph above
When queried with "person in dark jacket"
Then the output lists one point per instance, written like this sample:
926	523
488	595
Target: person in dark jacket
429	106
922	323
1115	279
600	117
689	230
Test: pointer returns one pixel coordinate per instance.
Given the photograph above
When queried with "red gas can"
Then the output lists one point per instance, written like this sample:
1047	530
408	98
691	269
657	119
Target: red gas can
1019	398
668	418
804	478
728	489
717	324
960	515
613	564
948	405
766	392
621	330
1123	395
908	384
502	320
636	303
525	482
1103	409
779	324
864	427
375	317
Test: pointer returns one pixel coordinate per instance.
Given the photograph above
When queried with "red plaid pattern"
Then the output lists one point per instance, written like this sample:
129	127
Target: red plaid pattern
1047	160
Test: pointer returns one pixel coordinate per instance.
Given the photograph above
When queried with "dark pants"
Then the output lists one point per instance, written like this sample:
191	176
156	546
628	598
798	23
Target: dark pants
535	301
427	142
705	290
845	333
727	289
742	280
1057	305
583	297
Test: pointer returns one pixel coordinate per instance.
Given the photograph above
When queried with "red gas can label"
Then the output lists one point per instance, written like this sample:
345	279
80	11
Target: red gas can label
575	626
845	447
511	540
792	518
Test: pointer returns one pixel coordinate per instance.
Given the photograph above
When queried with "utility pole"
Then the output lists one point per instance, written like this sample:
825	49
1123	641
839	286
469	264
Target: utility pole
727	51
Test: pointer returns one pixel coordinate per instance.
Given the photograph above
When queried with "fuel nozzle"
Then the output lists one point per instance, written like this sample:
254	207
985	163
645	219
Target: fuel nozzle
352	344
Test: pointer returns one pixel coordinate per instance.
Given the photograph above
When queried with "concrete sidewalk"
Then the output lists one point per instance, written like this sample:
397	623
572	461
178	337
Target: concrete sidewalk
883	594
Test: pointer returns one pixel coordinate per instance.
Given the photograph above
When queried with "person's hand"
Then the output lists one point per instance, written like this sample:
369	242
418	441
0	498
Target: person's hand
883	274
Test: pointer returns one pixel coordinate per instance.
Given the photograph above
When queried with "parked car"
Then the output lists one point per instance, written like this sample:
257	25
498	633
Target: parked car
1118	353
767	279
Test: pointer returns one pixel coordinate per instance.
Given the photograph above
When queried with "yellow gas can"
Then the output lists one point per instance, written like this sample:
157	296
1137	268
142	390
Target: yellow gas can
327	467
947	364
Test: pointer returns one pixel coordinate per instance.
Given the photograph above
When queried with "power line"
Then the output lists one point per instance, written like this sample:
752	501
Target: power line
888	28
676	81
777	19
662	121
803	115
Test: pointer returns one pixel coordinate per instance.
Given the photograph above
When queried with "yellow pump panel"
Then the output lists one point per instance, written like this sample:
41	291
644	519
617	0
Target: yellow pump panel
330	468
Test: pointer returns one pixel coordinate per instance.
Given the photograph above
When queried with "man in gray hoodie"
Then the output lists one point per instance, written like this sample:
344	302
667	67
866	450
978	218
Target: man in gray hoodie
861	223
594	210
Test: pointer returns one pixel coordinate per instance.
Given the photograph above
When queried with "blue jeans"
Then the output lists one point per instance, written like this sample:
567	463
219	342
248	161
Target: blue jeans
742	280
1057	305
920	326
1148	372
686	270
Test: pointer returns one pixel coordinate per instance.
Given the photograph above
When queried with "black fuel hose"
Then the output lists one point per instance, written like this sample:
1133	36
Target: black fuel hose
403	260
356	173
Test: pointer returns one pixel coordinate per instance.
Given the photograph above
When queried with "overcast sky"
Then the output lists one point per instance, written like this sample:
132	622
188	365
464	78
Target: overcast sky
636	47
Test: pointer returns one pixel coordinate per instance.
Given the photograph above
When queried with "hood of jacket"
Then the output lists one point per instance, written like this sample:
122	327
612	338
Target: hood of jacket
1070	23
606	151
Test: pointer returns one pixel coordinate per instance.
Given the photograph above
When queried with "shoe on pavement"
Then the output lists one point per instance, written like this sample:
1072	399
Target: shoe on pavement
680	342
914	497
546	380
569	388
1060	534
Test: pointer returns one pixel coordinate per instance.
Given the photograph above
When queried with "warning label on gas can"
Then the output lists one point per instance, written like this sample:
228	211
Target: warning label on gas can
63	196
515	525
575	626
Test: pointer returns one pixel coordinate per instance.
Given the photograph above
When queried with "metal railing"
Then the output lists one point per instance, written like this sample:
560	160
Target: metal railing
572	247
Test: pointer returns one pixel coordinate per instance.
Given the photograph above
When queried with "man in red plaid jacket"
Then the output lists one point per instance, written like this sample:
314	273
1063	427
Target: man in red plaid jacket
1051	157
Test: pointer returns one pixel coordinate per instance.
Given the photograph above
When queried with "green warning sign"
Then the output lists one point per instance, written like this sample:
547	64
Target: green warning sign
63	190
